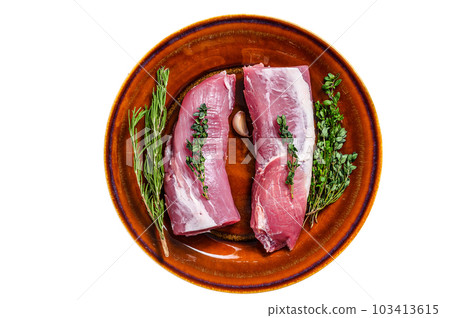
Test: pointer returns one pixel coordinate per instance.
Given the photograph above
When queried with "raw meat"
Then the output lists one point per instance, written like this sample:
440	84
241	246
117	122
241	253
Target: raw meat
277	219
189	212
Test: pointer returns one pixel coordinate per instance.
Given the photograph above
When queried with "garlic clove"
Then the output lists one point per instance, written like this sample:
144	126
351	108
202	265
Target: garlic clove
240	124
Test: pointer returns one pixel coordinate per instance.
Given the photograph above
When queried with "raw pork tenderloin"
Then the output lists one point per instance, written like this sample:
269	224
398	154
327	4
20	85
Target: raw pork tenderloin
190	213
277	219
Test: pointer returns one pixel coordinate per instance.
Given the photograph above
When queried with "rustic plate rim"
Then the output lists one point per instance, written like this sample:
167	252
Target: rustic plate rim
374	179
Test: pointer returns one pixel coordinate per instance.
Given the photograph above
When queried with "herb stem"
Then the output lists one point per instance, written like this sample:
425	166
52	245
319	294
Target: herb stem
147	160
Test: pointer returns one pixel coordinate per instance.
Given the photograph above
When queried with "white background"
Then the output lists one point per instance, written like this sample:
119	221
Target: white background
59	232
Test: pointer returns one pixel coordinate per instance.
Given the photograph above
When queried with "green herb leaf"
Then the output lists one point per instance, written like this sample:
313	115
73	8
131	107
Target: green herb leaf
292	164
197	162
331	169
147	159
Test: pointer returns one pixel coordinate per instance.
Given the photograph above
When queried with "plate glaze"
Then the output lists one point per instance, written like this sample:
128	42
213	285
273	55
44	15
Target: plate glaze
230	259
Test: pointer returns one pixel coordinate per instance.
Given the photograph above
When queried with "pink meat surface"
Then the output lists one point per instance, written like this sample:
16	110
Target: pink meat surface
277	219
189	212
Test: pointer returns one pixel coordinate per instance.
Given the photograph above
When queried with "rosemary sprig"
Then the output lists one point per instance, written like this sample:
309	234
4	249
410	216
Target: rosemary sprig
147	159
288	139
331	169
197	162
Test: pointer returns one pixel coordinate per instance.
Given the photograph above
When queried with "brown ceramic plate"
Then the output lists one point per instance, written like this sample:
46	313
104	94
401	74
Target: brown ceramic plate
230	259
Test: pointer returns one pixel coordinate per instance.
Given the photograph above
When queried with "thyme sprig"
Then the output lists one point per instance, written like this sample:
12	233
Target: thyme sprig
288	139
147	159
331	169
197	162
